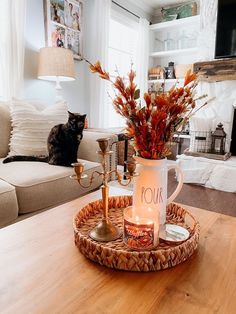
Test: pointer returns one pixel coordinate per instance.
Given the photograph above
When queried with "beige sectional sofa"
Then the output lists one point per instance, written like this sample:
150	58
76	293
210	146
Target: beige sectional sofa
27	187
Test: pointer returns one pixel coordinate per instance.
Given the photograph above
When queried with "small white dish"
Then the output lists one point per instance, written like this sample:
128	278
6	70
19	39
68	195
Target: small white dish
173	233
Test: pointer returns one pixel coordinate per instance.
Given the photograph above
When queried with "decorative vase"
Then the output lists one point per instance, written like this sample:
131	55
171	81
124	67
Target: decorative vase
150	188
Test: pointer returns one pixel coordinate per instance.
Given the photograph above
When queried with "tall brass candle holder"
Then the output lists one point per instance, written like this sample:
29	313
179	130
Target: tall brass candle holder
104	231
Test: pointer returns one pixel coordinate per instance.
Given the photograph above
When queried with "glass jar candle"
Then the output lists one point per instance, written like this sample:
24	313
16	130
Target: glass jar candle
141	228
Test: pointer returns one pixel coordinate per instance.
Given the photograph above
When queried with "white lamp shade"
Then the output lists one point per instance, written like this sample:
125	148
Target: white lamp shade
56	63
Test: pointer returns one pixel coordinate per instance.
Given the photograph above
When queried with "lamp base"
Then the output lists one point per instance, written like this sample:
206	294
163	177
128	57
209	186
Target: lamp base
105	231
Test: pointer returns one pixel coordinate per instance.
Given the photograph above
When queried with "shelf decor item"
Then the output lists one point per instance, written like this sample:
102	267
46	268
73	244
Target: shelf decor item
182	69
169	43
152	127
179	11
155	73
170	71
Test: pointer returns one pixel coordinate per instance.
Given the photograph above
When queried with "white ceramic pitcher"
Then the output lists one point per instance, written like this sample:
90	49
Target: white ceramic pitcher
150	187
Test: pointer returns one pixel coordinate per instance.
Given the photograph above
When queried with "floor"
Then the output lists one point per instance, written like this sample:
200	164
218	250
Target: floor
201	197
198	196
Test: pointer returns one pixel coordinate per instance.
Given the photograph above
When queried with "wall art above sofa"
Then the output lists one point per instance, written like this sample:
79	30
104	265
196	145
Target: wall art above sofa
63	25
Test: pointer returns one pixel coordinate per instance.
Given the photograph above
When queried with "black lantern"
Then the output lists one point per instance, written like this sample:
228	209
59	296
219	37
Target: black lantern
218	138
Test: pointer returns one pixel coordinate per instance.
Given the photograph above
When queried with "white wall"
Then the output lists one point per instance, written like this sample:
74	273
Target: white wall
76	93
73	92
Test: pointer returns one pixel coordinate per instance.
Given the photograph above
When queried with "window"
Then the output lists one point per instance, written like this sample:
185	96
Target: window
123	38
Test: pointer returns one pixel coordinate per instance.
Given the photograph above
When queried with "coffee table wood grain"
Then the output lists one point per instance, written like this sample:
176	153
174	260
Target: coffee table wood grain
42	271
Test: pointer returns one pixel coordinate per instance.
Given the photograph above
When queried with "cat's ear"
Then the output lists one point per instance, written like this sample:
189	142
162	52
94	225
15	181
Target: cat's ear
71	115
83	117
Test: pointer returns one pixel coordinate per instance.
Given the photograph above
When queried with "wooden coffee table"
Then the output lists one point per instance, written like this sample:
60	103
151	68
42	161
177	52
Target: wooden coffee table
42	271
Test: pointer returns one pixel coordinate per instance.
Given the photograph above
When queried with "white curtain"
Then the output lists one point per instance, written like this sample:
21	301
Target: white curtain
142	56
100	18
12	23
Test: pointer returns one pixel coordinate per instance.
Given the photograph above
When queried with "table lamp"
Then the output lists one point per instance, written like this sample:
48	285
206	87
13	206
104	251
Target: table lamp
56	64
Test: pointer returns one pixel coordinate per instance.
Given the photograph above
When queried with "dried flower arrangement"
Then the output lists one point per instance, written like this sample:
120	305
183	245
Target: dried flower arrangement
153	125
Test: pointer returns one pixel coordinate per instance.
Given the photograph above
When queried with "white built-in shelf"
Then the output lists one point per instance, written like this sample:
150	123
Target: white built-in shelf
172	81
176	23
175	52
175	30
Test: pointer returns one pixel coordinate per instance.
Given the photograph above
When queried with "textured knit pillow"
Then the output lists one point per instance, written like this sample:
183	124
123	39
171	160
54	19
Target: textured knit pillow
5	128
31	127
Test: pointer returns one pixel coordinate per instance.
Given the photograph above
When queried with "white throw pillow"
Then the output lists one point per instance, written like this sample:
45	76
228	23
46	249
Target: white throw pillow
5	128
31	127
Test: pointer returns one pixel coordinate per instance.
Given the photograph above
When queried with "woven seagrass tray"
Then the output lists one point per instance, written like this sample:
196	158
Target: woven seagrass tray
116	254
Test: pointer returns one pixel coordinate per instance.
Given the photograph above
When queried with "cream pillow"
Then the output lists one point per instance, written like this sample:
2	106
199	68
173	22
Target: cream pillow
31	127
5	128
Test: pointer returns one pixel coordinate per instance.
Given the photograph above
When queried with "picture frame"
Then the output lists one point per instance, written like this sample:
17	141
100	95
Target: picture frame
63	21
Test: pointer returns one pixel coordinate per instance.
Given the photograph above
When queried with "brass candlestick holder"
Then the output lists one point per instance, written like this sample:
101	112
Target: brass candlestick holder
104	231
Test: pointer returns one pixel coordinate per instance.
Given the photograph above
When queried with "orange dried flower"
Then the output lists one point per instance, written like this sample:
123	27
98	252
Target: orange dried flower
96	68
189	77
153	125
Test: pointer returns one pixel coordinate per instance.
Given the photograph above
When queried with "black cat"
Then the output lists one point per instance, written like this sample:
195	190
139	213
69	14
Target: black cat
63	143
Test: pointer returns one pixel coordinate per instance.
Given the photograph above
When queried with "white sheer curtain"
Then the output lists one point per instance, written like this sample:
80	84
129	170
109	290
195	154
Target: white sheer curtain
99	51
142	55
12	23
123	37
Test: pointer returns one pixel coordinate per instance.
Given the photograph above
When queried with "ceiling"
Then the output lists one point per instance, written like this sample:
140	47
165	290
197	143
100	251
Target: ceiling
160	3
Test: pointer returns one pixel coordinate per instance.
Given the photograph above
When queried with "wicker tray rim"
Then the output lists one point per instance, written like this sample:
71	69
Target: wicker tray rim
166	251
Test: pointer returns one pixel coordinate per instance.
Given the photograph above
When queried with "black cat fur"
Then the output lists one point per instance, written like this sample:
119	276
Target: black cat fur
63	142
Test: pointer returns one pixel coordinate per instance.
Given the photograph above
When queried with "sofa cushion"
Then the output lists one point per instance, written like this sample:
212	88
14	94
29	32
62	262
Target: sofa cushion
31	126
5	128
40	185
8	203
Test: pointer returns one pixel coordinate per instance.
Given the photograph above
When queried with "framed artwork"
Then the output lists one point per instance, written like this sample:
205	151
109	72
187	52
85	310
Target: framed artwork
63	25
